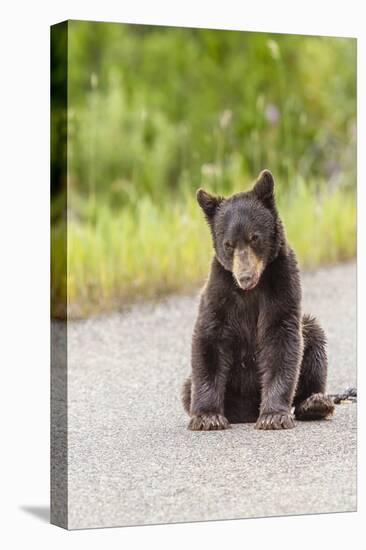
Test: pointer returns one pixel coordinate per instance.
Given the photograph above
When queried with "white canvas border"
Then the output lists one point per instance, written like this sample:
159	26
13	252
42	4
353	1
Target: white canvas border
25	267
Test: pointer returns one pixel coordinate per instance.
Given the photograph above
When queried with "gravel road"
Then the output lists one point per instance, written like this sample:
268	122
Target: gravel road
132	460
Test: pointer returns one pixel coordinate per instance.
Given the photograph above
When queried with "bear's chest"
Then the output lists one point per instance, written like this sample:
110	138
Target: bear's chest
240	332
239	346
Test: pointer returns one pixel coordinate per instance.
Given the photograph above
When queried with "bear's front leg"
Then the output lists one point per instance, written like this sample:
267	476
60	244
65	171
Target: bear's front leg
209	373
279	362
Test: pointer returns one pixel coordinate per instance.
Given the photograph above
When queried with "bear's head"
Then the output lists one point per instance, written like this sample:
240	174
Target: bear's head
247	232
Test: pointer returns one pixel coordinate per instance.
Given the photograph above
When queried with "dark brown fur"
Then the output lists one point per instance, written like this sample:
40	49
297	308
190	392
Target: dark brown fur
254	355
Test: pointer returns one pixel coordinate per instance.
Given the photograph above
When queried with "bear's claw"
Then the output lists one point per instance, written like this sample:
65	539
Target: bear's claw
208	422
275	421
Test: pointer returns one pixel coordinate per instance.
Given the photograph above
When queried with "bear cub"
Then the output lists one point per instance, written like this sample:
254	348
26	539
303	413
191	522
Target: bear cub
255	356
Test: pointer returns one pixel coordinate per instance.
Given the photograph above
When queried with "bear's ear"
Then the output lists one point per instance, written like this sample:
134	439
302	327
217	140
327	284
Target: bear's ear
208	203
264	188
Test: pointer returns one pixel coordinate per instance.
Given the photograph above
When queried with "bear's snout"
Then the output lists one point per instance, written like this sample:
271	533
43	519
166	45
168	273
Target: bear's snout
247	268
247	282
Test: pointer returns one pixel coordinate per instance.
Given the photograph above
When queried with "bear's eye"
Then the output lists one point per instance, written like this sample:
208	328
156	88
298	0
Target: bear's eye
228	245
254	238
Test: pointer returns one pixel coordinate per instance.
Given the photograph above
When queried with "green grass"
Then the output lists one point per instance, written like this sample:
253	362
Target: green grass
148	250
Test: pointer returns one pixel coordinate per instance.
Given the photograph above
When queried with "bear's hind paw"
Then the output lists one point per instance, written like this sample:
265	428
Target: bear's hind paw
316	407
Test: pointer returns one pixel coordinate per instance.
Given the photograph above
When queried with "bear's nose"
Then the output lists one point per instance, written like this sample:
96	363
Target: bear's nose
245	280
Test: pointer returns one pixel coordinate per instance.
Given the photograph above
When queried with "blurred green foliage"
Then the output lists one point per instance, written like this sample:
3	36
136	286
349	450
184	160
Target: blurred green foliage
152	109
155	112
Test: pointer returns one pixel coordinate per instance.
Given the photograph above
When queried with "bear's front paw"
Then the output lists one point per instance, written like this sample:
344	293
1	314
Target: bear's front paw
208	422
275	421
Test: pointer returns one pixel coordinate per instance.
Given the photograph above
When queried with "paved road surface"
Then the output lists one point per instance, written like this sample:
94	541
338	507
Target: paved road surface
131	458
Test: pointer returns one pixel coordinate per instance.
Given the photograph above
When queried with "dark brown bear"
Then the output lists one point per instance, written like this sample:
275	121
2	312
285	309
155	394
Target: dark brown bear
255	356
